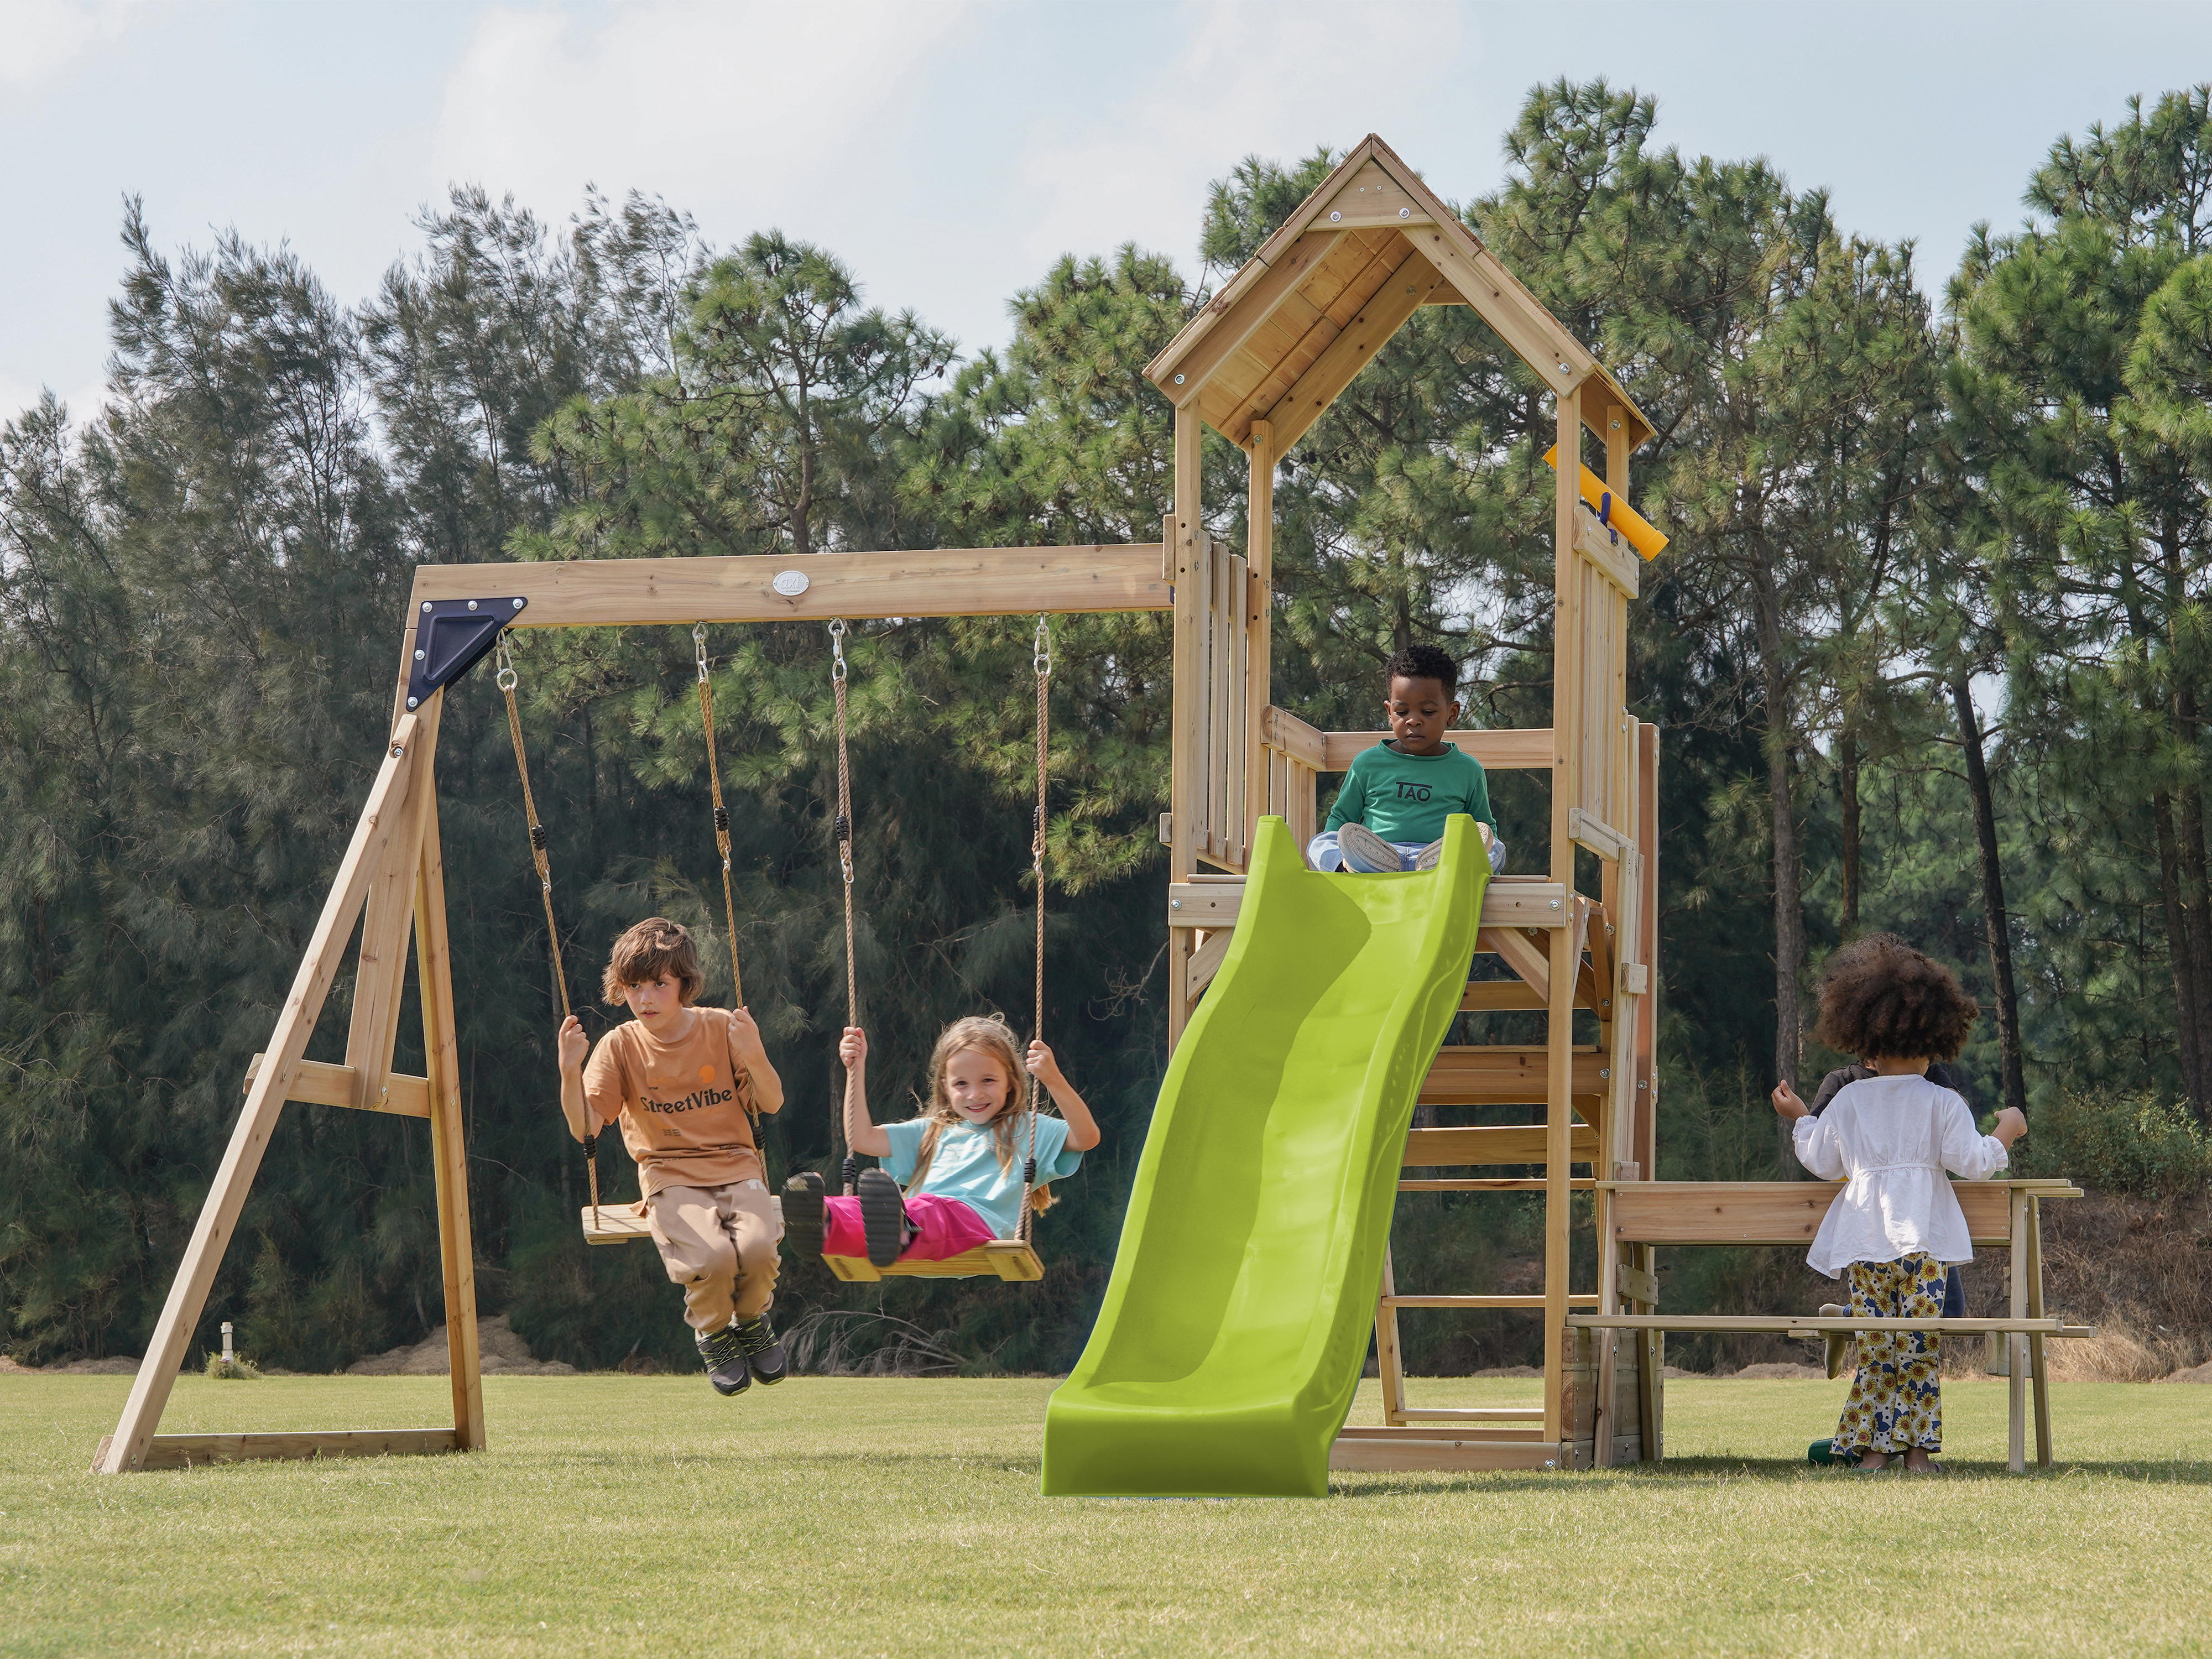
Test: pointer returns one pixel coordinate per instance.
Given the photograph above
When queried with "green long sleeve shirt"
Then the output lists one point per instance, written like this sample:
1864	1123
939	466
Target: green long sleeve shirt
1406	798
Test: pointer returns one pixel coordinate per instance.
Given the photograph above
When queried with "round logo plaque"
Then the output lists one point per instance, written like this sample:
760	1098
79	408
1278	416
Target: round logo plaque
791	583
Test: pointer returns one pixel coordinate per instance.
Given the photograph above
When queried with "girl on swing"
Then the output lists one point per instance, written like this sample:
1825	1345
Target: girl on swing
960	1159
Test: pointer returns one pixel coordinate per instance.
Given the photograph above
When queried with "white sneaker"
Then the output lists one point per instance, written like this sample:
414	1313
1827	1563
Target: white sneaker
1365	853
1430	856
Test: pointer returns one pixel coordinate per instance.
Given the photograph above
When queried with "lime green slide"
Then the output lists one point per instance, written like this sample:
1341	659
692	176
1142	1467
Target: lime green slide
1236	1321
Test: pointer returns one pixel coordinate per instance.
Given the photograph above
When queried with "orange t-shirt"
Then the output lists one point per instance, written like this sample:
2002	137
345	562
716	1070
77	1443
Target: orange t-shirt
682	1104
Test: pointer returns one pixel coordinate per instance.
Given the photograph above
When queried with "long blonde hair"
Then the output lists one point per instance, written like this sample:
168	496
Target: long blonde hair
994	1038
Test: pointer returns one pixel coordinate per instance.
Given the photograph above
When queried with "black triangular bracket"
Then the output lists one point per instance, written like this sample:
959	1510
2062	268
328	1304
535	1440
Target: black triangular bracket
451	637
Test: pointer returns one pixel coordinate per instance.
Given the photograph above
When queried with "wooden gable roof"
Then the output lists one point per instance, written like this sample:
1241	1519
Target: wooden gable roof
1371	246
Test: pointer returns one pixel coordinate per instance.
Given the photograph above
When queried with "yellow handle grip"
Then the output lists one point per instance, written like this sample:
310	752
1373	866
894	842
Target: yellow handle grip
1619	514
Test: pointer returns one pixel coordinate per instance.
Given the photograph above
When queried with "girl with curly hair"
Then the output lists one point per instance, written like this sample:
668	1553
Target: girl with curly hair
1892	1231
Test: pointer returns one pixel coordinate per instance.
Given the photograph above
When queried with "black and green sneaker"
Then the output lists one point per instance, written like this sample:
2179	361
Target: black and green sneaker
723	1353
882	1216
802	1212
764	1349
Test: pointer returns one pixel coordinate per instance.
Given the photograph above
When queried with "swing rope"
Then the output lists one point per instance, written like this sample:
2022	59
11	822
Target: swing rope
721	835
850	1172
508	679
721	812
1041	659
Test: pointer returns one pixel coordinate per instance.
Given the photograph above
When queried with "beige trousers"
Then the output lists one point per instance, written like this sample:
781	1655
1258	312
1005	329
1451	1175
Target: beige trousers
720	1244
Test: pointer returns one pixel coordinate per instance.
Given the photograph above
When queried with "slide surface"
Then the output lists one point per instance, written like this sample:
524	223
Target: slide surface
1236	1321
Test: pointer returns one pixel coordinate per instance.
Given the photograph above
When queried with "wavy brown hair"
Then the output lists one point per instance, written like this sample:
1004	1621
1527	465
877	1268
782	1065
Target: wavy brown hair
1883	999
995	1038
655	946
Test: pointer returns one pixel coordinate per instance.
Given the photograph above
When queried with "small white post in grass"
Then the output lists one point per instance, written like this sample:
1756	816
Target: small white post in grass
226	1342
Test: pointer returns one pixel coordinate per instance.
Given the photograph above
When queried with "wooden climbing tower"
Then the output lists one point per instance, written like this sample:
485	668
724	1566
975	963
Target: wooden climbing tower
1259	364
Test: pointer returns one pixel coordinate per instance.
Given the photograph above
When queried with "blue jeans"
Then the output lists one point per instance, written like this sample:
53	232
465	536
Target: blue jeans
1954	1295
1323	853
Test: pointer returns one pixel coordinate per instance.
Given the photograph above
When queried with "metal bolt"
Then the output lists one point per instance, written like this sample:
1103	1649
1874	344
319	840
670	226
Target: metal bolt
1334	218
1178	379
419	656
1640	1084
398	750
426	604
1555	904
472	605
1615	425
1405	213
517	604
1564	369
1174	904
410	703
1605	1070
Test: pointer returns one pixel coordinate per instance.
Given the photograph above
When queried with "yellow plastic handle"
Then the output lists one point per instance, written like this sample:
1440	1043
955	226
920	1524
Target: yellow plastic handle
1619	514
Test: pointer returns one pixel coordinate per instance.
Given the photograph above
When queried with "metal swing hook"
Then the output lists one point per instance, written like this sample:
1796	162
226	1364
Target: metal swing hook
1042	659
699	646
837	645
506	679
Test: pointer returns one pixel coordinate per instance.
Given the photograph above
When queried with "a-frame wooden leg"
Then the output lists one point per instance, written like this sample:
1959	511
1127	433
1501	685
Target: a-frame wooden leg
1390	1361
449	1146
383	819
387	922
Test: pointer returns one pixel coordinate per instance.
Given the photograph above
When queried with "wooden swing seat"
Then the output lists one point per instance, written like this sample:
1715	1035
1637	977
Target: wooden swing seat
1010	1259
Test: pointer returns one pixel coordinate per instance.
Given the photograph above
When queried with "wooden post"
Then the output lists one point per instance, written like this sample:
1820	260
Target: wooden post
2037	1374
1260	562
382	821
1186	782
2016	1345
1389	1360
434	969
1566	632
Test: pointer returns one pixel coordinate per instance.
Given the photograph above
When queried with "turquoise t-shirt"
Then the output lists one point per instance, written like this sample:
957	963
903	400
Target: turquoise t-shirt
1406	798
966	1166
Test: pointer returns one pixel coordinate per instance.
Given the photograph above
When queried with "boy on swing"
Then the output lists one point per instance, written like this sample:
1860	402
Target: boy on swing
1390	813
684	1082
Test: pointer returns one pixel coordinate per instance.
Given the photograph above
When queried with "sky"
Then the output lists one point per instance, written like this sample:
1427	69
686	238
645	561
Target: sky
948	150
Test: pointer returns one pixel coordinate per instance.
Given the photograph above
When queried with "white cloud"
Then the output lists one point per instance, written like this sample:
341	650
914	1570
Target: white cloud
40	39
690	98
1270	79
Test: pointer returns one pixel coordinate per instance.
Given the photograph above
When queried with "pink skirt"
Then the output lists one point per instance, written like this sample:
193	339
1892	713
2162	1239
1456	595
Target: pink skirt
949	1228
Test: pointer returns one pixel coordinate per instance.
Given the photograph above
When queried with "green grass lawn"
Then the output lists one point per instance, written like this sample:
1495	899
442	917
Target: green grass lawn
618	1515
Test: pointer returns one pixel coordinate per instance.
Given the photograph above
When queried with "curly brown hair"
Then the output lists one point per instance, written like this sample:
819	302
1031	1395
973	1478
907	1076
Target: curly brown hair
1883	999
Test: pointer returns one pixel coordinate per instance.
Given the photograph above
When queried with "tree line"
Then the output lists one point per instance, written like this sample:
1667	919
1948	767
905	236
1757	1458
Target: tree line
1927	651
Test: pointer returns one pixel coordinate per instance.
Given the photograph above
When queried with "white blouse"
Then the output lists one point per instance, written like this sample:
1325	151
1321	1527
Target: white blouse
1893	1136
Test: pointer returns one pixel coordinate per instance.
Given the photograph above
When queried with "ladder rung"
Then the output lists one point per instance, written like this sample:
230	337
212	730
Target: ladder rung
1472	1414
1578	1300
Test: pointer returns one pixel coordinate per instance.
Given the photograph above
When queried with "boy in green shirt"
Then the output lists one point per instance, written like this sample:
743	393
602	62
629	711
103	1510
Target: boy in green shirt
1390	813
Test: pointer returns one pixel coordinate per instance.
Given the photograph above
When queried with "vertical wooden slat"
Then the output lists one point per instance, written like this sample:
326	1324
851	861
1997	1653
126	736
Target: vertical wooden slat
1202	693
434	970
1558	1057
1234	816
1221	608
379	825
1645	1140
1259	628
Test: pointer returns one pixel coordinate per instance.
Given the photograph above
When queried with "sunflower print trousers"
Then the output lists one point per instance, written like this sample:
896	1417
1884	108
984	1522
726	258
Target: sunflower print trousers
1896	1401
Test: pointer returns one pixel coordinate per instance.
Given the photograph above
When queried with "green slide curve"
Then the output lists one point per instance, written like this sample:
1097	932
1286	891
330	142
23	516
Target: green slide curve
1236	1321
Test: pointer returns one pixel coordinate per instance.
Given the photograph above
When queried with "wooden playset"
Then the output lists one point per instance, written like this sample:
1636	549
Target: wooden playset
1259	364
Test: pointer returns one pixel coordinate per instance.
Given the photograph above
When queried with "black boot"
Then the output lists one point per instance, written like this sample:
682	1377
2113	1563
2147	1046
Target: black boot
882	1216
802	1212
723	1353
764	1349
